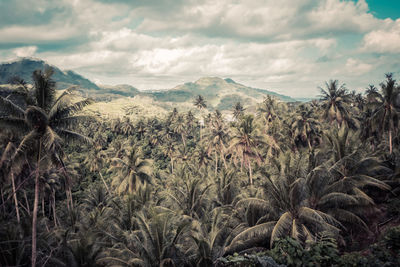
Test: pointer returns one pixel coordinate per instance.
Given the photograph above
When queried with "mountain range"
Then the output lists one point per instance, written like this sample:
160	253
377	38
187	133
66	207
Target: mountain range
220	93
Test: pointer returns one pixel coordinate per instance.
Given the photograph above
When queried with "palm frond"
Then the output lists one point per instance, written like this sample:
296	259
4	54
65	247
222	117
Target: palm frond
71	136
250	237
282	227
11	108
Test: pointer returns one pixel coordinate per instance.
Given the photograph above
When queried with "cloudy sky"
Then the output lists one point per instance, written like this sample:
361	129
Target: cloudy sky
288	46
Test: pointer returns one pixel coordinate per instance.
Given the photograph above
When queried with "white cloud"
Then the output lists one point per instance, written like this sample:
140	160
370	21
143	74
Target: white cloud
357	67
386	40
264	20
37	34
26	51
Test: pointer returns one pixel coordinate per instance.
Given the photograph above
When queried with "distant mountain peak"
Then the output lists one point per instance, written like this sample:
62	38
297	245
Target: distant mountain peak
209	81
23	67
229	80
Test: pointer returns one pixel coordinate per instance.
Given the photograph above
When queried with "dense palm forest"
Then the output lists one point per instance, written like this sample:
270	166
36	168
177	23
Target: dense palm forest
312	184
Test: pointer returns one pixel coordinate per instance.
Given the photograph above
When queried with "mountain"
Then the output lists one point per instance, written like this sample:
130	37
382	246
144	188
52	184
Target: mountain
24	68
219	93
120	89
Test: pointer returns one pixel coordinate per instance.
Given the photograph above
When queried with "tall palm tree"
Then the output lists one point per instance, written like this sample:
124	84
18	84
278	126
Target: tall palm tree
238	110
7	171
130	172
305	126
180	127
47	124
336	103
372	94
386	114
217	138
200	103
246	142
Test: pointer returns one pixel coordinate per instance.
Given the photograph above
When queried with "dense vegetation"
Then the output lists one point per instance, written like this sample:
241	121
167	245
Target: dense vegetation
312	184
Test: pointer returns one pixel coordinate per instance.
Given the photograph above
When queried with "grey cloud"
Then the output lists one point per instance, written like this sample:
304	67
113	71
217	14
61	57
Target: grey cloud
31	12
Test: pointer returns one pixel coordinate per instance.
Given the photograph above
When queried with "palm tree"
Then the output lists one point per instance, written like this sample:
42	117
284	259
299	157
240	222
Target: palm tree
269	108
188	194
95	162
245	142
238	110
130	172
127	128
5	167
304	207
305	126
199	102
47	123
372	94
209	238
285	212
217	137
157	242
336	103
180	127
386	115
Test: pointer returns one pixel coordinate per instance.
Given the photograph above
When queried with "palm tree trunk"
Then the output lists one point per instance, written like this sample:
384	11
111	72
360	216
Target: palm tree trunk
216	163
2	200
54	208
390	142
105	184
250	174
309	144
27	203
70	197
35	207
42	195
184	141
15	197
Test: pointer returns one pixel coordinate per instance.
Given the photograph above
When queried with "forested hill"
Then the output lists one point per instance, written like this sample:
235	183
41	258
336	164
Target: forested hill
221	93
24	67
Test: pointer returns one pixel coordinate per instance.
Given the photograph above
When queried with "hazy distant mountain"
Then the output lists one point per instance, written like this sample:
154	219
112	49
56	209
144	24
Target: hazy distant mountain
24	68
219	93
120	89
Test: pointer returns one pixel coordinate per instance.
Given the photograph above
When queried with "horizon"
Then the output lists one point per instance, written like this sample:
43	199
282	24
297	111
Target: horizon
290	48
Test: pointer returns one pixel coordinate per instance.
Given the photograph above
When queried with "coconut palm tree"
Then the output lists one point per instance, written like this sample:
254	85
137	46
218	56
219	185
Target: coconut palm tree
386	114
238	110
130	171
188	193
217	138
209	239
180	127
7	171
336	103
306	126
157	242
372	94
246	142
47	124
286	212
199	102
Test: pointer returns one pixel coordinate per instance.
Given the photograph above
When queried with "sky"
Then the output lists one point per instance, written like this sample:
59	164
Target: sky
287	46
